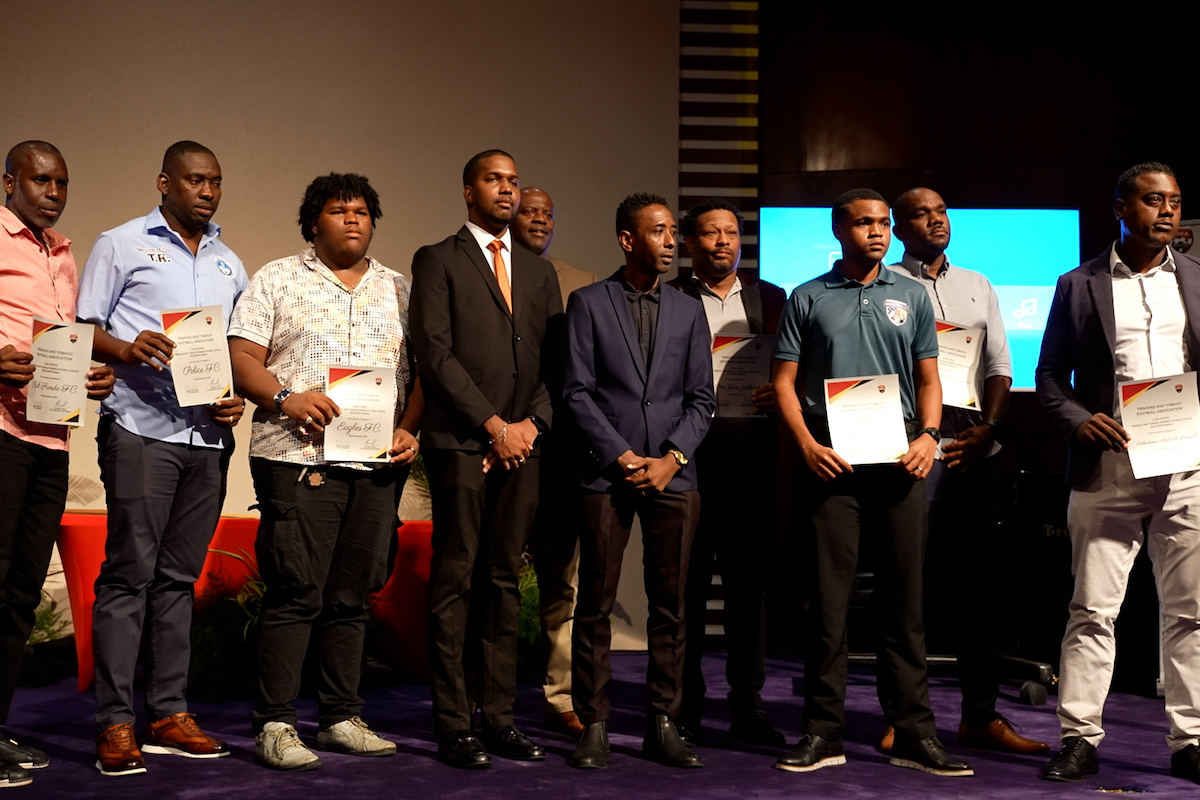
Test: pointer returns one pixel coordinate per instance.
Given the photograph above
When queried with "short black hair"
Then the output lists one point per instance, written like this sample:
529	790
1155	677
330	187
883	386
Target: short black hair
1127	183
687	225
337	185
628	210
181	149
32	145
471	170
846	198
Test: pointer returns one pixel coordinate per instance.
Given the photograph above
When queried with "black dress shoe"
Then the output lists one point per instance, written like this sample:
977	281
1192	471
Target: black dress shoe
508	742
689	731
928	755
664	744
811	753
461	749
592	751
23	756
1076	759
1185	763
755	730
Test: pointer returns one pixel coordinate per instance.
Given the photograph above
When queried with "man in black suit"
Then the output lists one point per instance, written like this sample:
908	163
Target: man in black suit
735	304
639	387
480	308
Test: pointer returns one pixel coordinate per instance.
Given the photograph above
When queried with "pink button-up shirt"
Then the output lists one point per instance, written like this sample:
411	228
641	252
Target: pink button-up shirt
32	281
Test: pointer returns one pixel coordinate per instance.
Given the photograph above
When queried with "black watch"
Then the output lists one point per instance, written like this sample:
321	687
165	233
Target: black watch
280	396
934	432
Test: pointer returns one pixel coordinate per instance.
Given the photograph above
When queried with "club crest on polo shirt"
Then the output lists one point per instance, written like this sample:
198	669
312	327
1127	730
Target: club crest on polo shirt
897	311
224	267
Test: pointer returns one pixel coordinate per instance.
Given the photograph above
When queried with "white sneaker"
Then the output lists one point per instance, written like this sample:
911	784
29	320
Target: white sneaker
279	747
354	737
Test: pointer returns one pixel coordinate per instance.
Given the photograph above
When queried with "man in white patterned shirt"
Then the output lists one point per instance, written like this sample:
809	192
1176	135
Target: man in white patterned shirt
326	527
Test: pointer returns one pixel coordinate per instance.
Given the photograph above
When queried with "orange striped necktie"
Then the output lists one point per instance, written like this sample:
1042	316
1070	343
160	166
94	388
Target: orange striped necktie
497	248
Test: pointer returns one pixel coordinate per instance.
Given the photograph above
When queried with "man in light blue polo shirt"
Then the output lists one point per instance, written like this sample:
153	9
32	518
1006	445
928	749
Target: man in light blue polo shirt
860	319
163	466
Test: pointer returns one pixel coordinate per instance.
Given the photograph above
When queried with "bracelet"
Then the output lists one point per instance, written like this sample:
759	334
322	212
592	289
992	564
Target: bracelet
503	435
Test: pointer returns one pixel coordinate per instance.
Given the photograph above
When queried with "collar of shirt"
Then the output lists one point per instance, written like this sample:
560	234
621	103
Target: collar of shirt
916	267
484	239
635	294
834	278
156	225
15	227
705	289
310	260
1118	269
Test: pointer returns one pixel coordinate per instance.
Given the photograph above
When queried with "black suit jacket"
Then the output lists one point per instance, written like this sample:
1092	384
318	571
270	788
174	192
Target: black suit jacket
1080	338
475	358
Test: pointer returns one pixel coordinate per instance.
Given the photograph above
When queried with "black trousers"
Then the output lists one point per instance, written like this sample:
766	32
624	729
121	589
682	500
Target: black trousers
33	494
322	547
735	468
885	504
668	526
480	526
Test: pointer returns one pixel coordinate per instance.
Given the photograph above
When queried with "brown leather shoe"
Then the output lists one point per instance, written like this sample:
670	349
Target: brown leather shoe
998	735
565	722
117	751
179	735
889	739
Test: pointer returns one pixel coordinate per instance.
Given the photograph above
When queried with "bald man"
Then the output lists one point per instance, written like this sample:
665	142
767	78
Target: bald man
555	532
38	271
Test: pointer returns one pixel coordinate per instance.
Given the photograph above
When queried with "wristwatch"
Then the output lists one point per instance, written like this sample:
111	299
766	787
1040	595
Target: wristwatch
680	458
280	396
934	432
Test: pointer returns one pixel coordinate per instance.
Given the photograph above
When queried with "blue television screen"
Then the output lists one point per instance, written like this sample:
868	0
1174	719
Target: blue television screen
1021	251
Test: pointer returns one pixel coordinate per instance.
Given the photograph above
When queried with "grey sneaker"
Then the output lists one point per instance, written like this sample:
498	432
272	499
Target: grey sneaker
279	747
354	737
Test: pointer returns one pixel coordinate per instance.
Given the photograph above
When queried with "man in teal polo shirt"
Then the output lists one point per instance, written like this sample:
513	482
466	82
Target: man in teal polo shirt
859	319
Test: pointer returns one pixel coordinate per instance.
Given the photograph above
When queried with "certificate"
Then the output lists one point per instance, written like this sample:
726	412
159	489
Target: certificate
62	353
367	398
1161	418
200	363
741	363
959	347
866	420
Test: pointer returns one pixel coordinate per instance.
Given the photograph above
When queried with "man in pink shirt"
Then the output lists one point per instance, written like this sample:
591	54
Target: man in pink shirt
37	271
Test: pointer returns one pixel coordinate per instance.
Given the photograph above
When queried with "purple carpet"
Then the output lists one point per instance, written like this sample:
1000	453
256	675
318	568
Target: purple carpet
1134	756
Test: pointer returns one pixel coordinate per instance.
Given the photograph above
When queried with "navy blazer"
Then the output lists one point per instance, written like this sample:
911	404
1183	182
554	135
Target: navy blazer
616	403
1080	339
476	358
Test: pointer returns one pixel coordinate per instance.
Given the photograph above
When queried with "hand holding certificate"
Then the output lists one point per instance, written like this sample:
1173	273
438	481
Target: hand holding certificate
367	399
866	420
200	363
62	354
1161	417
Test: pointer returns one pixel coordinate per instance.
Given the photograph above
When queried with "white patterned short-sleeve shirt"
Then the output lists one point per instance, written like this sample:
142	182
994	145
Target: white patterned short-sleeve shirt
308	320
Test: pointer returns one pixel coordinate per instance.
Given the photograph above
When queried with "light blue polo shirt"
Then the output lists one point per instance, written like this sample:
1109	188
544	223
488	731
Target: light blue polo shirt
835	327
134	272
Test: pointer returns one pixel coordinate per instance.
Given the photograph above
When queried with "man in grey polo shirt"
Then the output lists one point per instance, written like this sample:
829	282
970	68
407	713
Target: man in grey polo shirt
861	319
963	503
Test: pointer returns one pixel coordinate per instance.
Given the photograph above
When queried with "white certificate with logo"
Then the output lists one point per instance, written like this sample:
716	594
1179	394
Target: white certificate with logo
959	348
1161	418
62	353
367	398
200	364
741	363
866	418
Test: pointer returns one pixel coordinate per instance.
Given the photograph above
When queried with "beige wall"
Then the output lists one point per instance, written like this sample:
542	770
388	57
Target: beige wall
584	95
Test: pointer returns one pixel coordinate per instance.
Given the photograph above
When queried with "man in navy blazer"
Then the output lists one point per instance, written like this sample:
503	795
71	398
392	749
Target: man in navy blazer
638	384
1131	314
480	313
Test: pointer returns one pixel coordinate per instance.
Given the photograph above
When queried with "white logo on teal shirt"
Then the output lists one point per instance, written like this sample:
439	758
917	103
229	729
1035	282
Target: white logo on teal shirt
897	311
